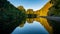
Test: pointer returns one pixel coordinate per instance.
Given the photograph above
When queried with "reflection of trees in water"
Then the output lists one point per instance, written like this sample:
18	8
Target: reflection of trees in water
22	23
43	21
29	20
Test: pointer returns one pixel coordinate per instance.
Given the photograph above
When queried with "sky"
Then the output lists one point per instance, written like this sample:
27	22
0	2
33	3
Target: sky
29	4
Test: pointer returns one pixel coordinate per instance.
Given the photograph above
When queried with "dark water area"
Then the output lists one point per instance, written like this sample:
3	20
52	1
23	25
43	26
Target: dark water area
30	28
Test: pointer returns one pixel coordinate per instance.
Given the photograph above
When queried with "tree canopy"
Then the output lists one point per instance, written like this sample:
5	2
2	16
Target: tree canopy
10	17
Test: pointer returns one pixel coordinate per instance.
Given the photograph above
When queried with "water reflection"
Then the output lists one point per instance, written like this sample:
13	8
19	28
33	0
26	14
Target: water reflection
43	21
33	26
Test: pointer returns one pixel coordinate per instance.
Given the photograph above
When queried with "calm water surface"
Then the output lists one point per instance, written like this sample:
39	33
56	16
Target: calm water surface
30	28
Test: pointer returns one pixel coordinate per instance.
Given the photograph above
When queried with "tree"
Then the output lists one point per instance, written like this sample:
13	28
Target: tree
10	17
55	9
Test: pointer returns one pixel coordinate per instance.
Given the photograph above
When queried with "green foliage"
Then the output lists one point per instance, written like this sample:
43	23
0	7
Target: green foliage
55	9
10	16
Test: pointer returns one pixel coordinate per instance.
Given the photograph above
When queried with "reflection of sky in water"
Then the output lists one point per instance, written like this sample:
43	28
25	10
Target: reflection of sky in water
34	28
